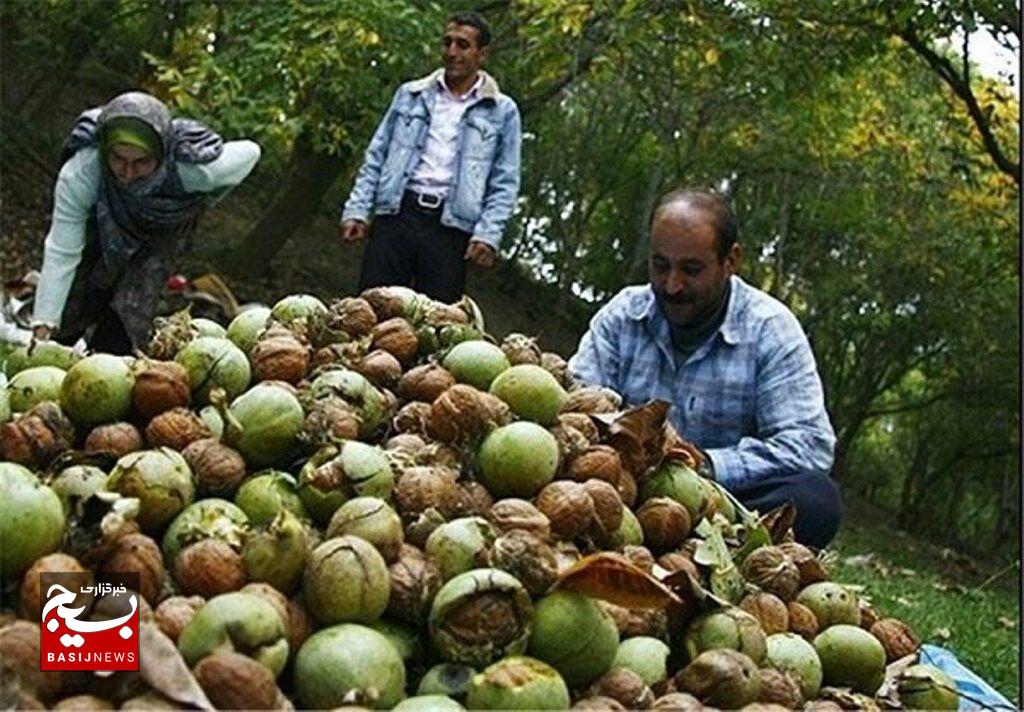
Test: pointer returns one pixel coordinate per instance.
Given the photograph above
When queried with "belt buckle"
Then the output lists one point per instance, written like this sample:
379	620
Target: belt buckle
430	202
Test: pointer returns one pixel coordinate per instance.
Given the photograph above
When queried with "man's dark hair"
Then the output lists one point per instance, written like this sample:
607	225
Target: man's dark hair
473	19
726	227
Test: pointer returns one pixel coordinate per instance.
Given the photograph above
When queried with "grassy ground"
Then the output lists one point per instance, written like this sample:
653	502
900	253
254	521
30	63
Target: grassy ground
947	599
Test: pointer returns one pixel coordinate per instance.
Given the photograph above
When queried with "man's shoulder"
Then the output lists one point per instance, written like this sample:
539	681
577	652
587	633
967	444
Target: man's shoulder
629	303
761	313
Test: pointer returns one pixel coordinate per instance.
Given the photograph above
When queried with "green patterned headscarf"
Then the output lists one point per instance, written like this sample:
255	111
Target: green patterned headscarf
133	132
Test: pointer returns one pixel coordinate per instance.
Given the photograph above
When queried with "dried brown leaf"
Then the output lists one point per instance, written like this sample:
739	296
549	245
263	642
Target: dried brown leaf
163	668
611	578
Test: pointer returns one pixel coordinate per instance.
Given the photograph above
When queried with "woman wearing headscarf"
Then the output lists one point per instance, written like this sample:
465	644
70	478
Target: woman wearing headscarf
133	185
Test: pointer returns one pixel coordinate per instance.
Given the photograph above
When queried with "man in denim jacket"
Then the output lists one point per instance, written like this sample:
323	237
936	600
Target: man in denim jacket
441	173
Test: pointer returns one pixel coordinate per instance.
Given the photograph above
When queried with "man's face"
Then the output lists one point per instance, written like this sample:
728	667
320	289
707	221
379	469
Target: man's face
684	267
129	163
461	51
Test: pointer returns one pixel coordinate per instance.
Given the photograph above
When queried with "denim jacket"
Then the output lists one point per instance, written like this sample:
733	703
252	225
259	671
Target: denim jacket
485	180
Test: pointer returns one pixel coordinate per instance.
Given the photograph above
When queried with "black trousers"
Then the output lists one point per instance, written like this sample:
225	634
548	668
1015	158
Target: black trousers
413	249
817	500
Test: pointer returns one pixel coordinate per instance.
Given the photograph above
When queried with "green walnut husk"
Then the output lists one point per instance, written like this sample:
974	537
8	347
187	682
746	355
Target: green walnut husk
160	479
264	423
372	519
356	390
481	616
206	519
476	363
646	656
76	483
35	385
730	628
531	392
517	460
214	362
460	545
925	687
31	520
851	657
277	554
676	481
447	679
43	353
290	309
245	328
97	390
208	327
722	678
831	604
790	652
336	474
329	673
239	622
346	580
575	636
428	703
265	495
5	404
406	639
518	683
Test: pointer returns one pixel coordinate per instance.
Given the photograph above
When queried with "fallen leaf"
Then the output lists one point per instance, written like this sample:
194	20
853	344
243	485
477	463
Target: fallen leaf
904	601
779	521
907	572
942	634
162	666
638	434
611	578
1007	622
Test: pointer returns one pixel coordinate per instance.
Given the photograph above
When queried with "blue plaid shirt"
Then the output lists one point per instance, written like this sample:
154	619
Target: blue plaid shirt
750	396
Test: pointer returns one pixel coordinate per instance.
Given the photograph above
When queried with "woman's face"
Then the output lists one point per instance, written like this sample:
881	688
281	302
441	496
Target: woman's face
129	163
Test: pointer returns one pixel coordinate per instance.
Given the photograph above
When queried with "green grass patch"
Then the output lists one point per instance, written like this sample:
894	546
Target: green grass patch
947	600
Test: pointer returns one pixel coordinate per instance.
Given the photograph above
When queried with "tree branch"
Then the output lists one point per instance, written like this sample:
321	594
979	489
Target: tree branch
944	68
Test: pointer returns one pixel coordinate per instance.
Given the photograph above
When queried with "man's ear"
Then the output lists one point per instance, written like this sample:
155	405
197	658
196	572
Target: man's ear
733	259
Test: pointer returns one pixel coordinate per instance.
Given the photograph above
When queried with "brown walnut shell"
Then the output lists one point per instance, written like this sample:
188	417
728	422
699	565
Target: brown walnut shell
31	596
633	622
590	399
352	315
380	368
38	436
802	620
898	639
218	469
568	506
868	615
666	523
627	489
384	302
415	580
640	556
478	500
597	461
780	688
408	443
117	439
412	418
464	414
528	558
677	561
771	569
176	428
571	444
521	349
422	488
159	386
512	513
279	356
174	613
769	610
425	383
625	687
581	422
607	508
679	702
83	703
597	703
208	568
20	653
398	338
330	420
811	569
139	554
233	681
557	367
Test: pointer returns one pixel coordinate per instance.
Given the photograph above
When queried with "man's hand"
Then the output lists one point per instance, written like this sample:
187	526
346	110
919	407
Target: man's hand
41	332
351	231
481	254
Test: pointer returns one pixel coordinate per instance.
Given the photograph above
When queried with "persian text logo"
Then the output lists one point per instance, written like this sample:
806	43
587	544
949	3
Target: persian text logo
89	625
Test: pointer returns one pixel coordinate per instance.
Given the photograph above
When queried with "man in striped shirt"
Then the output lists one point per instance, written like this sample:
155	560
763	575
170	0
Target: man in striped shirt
732	361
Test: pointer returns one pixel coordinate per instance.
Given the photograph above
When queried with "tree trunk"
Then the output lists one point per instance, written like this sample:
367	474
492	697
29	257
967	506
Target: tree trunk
310	175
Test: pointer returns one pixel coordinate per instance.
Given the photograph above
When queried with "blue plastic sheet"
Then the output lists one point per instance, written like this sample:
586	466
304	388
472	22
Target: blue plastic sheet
975	693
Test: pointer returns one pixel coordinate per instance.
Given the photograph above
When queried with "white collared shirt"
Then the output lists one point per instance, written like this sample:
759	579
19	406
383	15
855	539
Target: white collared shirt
433	174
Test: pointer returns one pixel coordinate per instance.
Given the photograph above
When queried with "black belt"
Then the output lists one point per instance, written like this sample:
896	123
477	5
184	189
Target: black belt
423	201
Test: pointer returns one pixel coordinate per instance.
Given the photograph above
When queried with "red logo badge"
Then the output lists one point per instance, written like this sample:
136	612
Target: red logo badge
88	626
